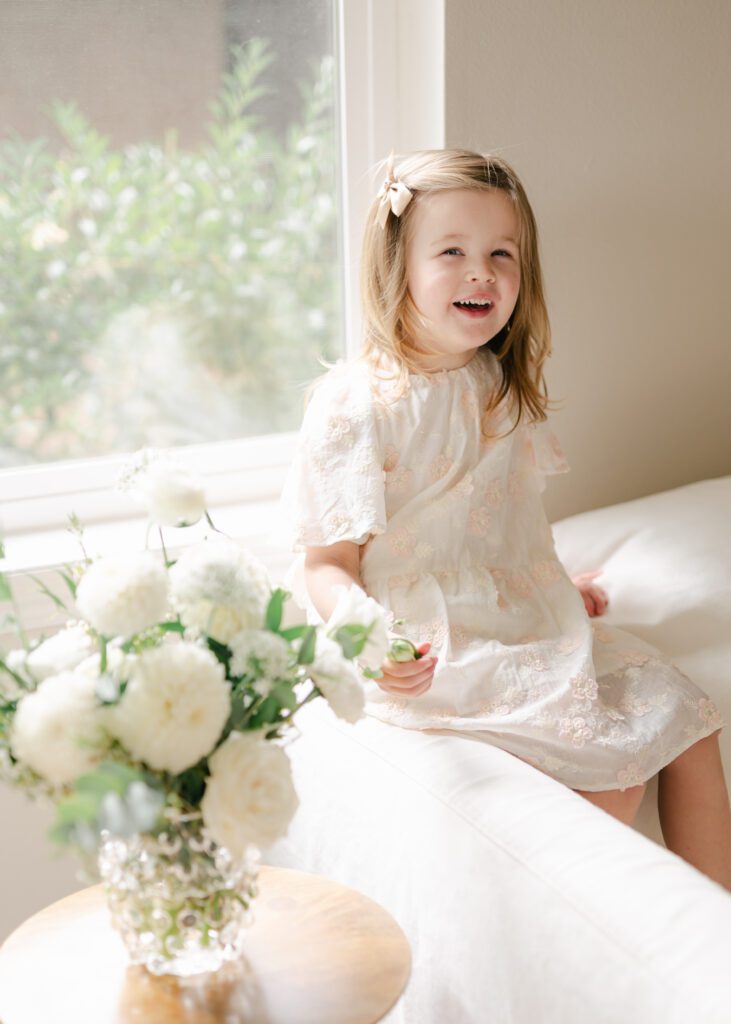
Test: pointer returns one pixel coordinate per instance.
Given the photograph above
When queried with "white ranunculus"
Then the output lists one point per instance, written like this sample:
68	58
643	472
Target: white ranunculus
57	730
250	796
60	652
354	607
338	679
220	589
174	707
171	493
125	594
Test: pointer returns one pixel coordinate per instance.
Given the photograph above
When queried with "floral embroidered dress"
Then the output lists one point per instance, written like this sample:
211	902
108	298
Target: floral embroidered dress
457	543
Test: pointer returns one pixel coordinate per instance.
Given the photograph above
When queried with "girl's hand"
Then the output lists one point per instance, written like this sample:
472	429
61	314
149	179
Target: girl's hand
595	598
407	678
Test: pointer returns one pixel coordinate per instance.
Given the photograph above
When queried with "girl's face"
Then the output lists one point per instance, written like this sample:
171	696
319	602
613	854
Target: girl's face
463	245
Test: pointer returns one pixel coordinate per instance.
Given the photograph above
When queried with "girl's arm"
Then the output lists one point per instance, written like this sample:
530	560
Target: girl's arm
325	568
340	563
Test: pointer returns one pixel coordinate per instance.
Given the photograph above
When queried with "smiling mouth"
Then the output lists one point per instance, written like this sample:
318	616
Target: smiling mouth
474	310
474	305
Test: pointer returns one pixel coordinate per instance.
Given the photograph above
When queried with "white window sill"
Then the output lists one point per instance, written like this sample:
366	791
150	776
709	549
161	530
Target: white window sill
256	524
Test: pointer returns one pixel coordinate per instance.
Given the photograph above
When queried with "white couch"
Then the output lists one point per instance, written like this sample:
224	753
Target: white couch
523	903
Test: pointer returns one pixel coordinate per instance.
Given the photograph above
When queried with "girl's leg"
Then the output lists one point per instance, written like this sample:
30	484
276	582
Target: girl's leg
694	809
621	804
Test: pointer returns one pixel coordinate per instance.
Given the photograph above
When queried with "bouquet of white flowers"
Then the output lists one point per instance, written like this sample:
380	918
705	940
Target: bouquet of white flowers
166	694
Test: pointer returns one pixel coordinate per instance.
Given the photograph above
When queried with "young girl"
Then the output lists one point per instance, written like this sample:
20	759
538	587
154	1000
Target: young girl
418	476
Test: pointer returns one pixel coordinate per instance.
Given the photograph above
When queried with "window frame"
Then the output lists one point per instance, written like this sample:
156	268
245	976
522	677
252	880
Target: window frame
390	78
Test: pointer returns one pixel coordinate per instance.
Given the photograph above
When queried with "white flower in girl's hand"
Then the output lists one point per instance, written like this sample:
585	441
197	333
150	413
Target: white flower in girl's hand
338	679
172	495
355	608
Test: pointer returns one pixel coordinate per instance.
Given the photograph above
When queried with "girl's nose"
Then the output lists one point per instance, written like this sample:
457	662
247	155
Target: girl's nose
485	271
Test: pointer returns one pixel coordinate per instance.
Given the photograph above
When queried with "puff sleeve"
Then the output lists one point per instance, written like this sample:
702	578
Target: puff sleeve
543	452
335	487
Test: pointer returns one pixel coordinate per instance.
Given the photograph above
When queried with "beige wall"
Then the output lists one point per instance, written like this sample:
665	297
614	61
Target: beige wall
134	69
615	115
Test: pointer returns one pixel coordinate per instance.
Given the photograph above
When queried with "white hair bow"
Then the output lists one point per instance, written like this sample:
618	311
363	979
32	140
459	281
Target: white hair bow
394	195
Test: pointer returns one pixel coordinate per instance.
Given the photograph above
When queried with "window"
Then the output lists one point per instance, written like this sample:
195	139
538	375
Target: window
169	223
143	77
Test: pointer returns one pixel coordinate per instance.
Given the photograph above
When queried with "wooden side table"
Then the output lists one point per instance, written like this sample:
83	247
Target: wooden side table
317	953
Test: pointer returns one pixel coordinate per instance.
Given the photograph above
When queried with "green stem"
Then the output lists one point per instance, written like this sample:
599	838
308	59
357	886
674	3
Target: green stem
21	682
162	542
314	693
253	708
23	636
212	526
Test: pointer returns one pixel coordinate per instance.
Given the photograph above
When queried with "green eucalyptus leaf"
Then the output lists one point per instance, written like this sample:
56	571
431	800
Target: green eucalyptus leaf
77	807
70	582
307	649
172	627
273	618
6	593
285	695
293	633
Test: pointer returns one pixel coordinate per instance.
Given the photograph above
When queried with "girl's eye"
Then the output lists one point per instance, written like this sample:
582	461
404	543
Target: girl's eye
498	252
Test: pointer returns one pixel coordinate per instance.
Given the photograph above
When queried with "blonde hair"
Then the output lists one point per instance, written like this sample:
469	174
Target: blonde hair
390	317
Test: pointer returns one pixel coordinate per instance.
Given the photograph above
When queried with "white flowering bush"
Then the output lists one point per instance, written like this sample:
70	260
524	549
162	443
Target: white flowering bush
173	684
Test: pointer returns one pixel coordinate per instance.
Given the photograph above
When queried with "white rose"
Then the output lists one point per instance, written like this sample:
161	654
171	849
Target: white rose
174	707
250	796
124	594
57	730
61	652
339	680
220	589
354	607
172	495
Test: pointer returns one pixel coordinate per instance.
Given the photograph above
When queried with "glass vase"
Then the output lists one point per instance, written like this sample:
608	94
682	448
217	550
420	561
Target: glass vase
181	902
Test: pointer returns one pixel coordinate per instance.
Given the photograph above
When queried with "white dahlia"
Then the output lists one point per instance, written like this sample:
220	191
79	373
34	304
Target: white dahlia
338	679
57	730
124	594
174	708
220	589
250	796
